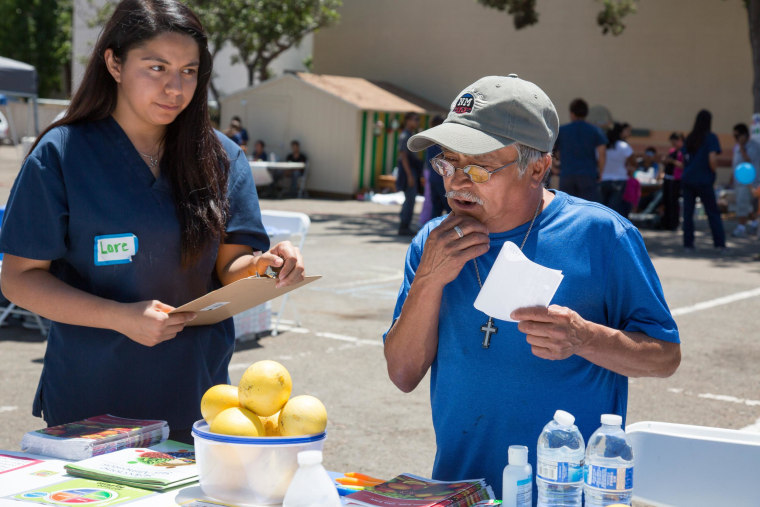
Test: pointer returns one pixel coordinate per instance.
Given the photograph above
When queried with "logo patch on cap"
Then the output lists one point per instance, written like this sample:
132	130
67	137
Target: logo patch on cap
464	104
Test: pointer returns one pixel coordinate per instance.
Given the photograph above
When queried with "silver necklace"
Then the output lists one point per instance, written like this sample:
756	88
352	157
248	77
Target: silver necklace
152	160
488	328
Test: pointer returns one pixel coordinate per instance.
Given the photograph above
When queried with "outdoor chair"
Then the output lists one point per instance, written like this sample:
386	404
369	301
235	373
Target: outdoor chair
285	226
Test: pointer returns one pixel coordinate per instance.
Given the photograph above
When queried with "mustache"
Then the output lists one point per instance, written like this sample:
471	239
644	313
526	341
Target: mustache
463	196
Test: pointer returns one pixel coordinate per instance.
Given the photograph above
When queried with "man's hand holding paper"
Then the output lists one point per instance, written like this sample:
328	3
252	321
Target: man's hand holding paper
516	282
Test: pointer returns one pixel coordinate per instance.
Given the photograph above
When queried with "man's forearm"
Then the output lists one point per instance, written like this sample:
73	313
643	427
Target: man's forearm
630	354
412	342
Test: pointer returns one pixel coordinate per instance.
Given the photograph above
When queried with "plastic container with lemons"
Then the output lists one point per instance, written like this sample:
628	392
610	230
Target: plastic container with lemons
247	452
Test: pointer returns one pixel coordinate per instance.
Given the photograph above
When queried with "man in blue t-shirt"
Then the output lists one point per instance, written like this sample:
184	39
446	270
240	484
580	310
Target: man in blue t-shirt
581	149
495	383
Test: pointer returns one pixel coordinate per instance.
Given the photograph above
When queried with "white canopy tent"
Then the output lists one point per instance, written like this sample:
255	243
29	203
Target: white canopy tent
18	80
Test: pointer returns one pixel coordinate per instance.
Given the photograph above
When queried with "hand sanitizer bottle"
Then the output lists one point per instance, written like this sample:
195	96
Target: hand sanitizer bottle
517	484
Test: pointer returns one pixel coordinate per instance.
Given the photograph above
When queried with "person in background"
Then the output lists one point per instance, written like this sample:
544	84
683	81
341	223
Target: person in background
671	182
296	155
647	167
409	172
259	151
581	150
435	193
135	170
609	320
745	150
700	152
240	134
631	193
619	157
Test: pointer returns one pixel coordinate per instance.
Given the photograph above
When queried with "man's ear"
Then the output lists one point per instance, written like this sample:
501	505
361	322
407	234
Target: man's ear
538	169
113	65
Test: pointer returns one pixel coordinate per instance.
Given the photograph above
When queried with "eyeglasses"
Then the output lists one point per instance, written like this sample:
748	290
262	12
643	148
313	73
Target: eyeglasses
476	173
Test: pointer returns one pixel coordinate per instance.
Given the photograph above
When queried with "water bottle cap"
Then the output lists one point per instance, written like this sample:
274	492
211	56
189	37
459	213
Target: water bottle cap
517	455
564	418
306	458
612	419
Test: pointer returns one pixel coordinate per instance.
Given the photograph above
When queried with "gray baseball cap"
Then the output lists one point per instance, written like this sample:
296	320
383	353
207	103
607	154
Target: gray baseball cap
491	113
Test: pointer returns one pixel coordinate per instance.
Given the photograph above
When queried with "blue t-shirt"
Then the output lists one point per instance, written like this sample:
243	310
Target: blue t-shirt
577	142
87	180
696	170
484	400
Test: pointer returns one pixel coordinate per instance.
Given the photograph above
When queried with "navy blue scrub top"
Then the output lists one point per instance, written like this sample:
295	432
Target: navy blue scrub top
87	180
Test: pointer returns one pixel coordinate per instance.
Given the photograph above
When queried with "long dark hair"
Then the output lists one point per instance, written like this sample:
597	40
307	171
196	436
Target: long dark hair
702	127
614	135
193	160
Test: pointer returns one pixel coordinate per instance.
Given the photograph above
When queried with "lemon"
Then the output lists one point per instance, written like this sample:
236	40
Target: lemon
218	398
237	421
265	387
270	425
302	415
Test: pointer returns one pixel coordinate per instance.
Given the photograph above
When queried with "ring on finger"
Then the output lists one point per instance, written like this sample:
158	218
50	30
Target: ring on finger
458	230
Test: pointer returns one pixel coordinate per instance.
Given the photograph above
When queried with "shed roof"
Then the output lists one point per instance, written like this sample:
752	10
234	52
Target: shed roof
370	95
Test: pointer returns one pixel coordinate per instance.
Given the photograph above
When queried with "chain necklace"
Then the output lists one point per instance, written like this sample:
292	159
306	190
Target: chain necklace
488	328
152	160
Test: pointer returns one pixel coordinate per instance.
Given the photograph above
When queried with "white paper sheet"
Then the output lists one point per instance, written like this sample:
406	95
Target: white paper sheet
516	282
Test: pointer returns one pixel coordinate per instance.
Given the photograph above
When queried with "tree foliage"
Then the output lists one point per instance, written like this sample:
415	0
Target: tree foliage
610	18
38	32
261	30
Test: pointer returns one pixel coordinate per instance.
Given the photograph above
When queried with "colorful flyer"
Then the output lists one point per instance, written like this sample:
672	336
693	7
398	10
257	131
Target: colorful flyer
81	492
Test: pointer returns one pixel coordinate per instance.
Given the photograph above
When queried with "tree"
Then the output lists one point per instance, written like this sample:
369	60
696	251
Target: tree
261	30
611	17
38	32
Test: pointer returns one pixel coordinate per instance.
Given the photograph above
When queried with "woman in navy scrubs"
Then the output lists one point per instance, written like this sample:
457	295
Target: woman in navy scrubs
127	207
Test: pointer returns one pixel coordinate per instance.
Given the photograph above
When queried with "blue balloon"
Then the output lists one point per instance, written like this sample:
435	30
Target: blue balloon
744	173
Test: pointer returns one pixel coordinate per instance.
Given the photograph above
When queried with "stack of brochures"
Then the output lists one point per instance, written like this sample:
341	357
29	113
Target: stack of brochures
409	490
94	436
163	467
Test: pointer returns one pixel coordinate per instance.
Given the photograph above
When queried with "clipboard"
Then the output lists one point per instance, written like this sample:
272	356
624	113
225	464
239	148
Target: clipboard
236	297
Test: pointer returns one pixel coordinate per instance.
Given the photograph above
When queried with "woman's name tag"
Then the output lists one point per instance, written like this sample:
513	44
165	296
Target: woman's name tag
115	249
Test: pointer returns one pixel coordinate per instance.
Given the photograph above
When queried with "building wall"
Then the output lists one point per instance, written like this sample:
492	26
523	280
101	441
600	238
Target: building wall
328	129
674	58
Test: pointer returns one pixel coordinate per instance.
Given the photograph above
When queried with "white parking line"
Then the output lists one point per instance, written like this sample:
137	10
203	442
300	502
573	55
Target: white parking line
7	408
704	305
731	399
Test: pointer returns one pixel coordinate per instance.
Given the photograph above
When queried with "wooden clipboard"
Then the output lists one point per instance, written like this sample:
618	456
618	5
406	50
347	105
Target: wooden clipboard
236	297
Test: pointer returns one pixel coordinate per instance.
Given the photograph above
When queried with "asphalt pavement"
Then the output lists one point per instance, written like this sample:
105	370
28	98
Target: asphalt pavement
336	353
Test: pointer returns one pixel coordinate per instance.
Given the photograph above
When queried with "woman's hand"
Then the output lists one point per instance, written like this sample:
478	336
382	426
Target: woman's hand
286	260
149	323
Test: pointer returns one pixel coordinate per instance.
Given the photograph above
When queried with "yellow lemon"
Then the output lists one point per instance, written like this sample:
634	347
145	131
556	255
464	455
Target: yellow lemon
237	421
302	415
270	425
265	387
218	398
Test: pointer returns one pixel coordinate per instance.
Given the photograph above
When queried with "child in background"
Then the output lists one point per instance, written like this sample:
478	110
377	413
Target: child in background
631	194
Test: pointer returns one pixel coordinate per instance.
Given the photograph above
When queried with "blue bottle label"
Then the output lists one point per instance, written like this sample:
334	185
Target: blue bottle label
609	478
562	471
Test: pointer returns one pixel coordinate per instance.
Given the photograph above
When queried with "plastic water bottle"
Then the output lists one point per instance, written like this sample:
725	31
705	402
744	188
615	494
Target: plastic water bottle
311	486
559	468
609	465
517	481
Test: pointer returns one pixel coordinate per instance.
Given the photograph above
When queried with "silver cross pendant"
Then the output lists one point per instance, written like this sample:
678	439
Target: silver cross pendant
488	329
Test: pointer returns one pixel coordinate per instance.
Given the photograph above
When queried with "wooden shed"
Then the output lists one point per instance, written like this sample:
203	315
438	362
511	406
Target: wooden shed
347	126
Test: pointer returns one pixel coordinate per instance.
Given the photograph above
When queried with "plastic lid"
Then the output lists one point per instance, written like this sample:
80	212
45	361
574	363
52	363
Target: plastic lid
306	458
517	455
564	418
612	419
